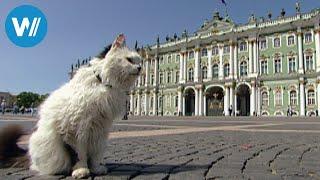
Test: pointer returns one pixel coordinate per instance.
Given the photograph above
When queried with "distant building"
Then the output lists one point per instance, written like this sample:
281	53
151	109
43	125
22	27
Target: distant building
9	98
264	67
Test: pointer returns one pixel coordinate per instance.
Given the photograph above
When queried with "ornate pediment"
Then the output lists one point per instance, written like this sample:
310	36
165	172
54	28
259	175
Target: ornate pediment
216	25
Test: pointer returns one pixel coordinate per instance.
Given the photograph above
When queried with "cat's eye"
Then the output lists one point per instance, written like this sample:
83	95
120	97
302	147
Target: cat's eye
130	60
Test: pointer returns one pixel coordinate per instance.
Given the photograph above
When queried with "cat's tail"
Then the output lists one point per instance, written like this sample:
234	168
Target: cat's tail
11	155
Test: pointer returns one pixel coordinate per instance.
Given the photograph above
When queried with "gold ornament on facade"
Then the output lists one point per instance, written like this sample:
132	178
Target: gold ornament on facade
197	49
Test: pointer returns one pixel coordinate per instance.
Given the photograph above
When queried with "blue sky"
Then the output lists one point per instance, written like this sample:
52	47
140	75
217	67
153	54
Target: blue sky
78	28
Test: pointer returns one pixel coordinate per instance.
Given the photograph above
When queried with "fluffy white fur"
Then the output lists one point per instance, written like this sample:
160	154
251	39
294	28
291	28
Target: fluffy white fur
80	114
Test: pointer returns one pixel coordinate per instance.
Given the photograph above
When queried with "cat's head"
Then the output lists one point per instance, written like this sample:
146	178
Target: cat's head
121	66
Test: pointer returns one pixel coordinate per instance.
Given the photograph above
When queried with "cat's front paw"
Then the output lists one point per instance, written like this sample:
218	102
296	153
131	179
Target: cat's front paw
99	170
80	173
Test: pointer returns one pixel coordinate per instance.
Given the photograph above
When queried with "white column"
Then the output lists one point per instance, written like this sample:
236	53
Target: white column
300	52
220	46
226	101
155	103
250	58
235	104
255	58
139	81
180	101
131	103
200	102
146	104
253	100
235	60
183	105
139	105
317	42
204	105
181	69
318	93
156	73
232	99
258	107
196	113
231	63
210	63
185	71
302	99
197	65
147	72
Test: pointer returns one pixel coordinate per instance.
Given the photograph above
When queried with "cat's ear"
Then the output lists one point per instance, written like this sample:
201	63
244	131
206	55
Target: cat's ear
119	42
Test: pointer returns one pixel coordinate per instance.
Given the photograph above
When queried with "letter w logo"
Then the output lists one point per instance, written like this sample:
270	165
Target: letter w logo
25	24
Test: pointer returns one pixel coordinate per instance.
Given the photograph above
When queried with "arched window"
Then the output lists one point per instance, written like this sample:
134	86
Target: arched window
265	98
278	98
293	98
277	65
204	52
191	55
204	72
243	68
243	46
226	70
290	40
276	42
311	97
161	60
215	71
190	74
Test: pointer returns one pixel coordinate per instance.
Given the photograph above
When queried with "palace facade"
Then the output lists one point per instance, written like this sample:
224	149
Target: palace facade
265	67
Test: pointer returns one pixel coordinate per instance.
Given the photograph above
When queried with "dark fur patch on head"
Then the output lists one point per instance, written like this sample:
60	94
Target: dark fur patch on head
102	54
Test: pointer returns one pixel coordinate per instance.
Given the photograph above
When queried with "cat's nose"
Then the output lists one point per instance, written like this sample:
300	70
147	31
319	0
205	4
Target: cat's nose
139	68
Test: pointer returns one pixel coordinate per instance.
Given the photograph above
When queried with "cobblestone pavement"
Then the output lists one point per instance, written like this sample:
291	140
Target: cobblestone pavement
204	148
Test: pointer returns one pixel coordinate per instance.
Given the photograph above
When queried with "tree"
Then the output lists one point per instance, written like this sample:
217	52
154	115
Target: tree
27	98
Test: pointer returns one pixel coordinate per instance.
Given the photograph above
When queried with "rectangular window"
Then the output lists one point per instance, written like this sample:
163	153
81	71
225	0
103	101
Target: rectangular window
264	67
177	76
292	64
290	40
309	62
276	42
215	51
277	66
226	49
263	44
308	37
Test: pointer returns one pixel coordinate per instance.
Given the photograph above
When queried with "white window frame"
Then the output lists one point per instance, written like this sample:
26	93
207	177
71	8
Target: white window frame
274	43
246	43
304	37
260	47
274	65
289	99
261	67
295	60
294	40
268	104
313	59
281	93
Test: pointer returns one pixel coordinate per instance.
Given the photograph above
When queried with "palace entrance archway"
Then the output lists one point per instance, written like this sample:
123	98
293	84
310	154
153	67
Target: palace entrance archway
214	101
189	102
243	100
